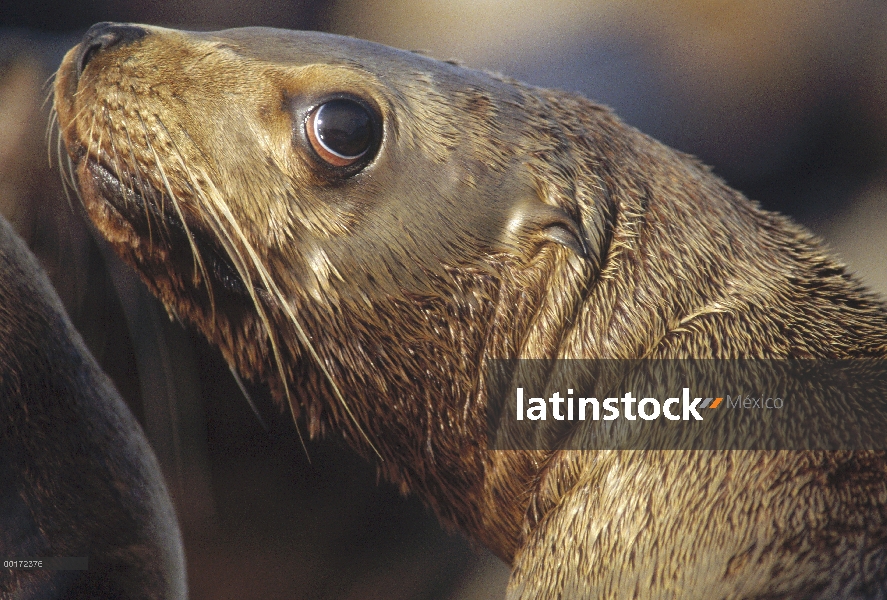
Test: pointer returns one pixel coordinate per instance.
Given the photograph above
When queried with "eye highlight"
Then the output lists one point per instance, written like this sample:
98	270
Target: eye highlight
341	131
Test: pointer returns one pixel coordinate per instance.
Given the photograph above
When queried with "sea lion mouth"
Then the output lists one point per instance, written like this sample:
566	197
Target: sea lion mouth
128	200
141	204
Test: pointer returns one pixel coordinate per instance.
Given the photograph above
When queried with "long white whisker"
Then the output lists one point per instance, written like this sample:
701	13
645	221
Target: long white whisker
198	260
240	264
252	405
269	284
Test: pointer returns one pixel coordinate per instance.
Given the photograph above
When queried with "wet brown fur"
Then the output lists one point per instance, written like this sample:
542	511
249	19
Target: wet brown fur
77	477
497	220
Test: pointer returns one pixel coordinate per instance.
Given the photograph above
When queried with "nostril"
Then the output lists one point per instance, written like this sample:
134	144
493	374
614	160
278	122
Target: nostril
102	36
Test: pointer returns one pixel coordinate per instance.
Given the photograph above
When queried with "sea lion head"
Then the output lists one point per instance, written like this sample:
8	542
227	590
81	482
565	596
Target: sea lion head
212	139
343	219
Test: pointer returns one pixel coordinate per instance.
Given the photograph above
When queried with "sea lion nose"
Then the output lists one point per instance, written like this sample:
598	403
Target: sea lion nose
102	36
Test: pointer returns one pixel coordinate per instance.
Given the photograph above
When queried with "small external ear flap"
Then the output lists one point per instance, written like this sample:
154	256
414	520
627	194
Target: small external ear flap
565	231
583	226
549	223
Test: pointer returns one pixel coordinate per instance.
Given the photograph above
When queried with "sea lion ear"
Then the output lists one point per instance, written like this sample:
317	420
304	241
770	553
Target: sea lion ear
548	223
564	230
572	216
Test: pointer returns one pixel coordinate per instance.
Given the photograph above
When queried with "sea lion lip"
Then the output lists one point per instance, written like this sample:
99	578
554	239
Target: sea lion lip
112	190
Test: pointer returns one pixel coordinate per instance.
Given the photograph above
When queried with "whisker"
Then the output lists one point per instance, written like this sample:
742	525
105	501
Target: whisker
49	87
51	125
115	156
63	172
159	197
211	202
99	144
70	183
269	284
66	166
240	265
252	405
142	186
198	260
75	118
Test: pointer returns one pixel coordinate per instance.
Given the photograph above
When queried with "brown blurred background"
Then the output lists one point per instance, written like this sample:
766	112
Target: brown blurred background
787	99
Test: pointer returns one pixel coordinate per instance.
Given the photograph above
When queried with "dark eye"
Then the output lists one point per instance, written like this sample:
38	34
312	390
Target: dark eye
341	131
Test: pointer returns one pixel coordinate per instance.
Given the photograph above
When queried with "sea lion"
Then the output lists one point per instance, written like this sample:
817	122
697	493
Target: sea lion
77	476
367	229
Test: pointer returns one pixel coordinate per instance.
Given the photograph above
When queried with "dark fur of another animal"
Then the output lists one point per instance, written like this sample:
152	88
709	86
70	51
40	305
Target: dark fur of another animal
77	477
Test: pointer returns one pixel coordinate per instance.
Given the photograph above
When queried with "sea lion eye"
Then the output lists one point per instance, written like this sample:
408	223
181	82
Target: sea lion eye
341	131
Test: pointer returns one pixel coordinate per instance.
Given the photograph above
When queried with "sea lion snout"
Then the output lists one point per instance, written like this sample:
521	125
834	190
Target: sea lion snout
102	36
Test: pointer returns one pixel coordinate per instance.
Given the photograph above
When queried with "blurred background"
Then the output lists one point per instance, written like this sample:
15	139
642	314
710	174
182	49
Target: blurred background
786	99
